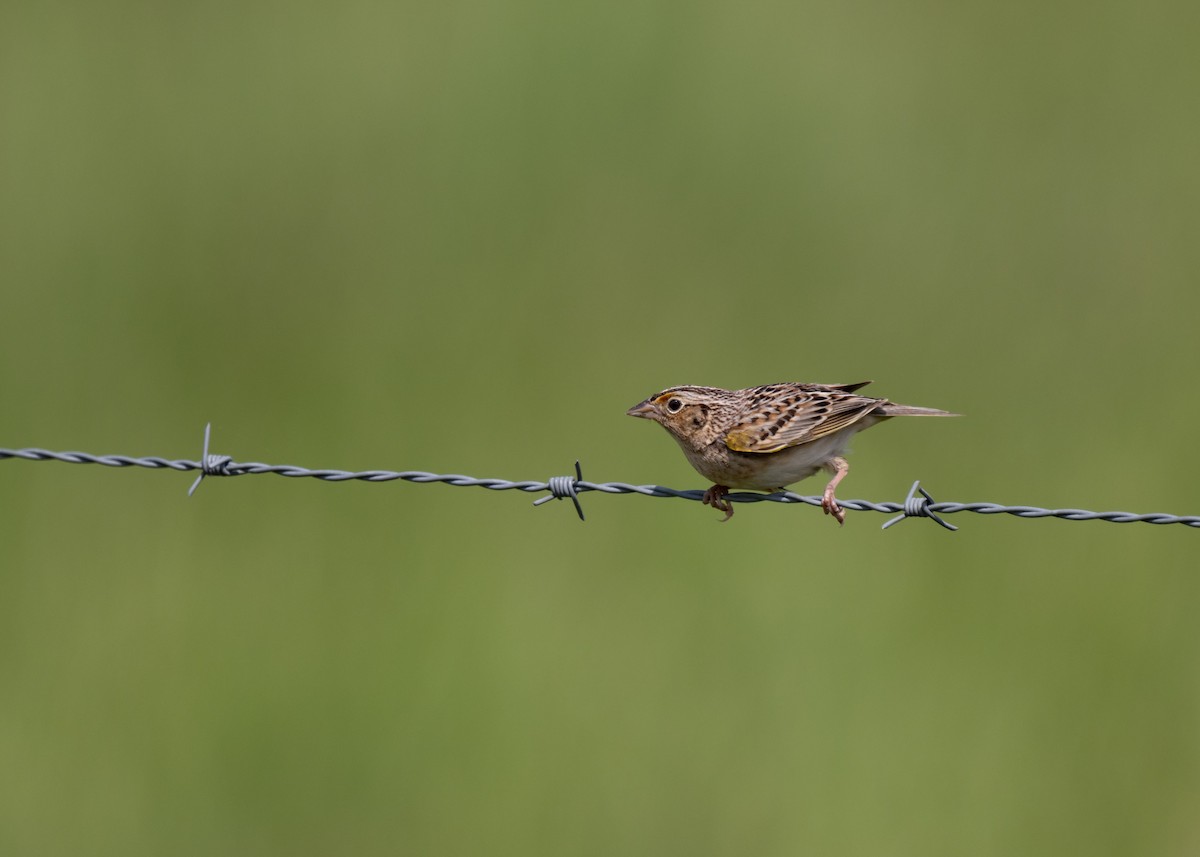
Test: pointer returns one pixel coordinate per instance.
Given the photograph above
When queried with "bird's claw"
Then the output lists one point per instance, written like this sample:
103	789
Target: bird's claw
715	497
830	506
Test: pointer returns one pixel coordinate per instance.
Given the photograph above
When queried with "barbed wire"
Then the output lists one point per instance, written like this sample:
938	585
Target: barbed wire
918	503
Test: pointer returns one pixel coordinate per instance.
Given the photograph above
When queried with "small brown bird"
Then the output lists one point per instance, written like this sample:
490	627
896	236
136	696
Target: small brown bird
765	438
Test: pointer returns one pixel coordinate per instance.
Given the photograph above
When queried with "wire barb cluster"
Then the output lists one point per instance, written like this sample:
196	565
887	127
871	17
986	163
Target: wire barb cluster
210	465
564	486
918	507
570	487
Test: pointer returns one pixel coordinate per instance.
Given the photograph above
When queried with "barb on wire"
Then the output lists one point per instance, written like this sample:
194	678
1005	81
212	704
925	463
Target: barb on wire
918	507
564	486
571	487
210	465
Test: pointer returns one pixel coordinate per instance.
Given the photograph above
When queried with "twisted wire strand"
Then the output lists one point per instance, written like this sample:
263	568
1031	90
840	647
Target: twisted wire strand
570	487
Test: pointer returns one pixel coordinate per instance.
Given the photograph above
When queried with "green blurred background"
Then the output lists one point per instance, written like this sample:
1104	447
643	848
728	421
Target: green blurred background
465	237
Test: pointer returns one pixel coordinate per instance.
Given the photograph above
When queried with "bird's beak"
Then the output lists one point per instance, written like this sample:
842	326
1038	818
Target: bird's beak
645	410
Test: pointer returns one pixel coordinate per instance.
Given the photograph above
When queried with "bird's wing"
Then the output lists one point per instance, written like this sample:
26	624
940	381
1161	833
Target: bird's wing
778	418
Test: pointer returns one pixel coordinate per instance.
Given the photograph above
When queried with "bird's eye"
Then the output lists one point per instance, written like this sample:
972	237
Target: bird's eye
674	406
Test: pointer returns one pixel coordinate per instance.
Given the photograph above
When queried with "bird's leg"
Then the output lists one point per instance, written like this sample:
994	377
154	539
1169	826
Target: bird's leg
839	467
715	497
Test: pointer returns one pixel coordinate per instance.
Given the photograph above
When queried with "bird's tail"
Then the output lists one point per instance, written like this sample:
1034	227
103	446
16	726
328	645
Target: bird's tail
891	409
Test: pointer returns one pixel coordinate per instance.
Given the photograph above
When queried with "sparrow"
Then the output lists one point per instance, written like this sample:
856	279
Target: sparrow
765	438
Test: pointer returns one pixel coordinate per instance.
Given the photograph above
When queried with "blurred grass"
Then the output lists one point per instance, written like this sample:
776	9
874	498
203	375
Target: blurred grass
464	237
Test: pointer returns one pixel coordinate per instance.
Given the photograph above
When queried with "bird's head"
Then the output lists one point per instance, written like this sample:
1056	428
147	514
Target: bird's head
686	412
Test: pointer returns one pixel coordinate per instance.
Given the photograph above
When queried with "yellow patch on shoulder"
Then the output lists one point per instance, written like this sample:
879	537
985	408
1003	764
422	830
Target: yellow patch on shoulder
744	440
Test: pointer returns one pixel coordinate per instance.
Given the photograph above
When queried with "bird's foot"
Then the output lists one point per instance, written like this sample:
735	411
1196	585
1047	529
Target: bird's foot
830	506
715	497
